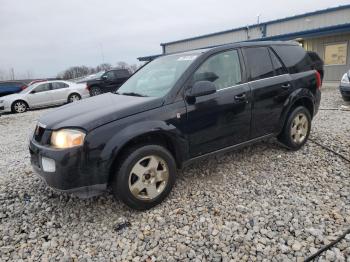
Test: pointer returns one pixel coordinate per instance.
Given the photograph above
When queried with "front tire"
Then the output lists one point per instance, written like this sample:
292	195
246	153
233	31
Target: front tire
346	98
145	176
19	107
297	128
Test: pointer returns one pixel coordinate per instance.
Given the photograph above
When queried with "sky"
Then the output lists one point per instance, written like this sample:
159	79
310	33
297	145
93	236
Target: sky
40	38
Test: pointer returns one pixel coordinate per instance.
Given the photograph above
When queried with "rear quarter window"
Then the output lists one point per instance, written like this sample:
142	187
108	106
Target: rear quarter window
294	58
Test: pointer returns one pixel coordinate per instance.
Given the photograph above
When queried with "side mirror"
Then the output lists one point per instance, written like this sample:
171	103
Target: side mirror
202	88
104	77
33	92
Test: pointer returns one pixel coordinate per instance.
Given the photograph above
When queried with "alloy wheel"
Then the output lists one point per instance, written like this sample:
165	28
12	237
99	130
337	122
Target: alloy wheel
299	128
95	91
20	107
148	177
74	98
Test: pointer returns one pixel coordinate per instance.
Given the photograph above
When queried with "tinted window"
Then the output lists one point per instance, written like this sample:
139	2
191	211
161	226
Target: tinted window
42	88
259	62
277	65
223	69
110	75
294	58
122	73
58	85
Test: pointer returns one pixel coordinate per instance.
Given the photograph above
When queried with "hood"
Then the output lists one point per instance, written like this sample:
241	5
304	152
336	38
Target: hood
12	97
98	110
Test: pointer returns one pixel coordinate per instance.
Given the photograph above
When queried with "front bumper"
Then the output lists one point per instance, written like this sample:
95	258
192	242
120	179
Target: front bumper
70	175
345	90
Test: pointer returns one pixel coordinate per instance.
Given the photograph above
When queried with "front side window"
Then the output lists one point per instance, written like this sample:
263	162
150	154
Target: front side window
110	75
158	77
223	69
42	88
259	62
58	85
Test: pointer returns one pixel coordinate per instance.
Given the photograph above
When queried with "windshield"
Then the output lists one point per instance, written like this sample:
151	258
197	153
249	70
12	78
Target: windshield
158	77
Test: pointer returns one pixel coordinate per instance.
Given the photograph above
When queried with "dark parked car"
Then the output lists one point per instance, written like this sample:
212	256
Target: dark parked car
110	81
11	87
177	109
345	86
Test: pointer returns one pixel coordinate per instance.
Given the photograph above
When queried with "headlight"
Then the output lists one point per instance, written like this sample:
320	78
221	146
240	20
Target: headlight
345	79
67	138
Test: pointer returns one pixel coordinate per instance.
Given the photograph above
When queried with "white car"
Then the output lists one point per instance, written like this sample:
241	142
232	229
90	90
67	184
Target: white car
43	94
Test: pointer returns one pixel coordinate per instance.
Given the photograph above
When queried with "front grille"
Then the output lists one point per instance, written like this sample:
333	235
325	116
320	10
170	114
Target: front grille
38	134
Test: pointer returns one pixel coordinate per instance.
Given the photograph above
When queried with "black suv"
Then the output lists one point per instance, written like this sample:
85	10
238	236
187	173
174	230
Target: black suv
110	81
177	109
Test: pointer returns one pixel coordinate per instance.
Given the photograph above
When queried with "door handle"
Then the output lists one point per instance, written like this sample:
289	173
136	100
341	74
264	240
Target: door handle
241	97
286	86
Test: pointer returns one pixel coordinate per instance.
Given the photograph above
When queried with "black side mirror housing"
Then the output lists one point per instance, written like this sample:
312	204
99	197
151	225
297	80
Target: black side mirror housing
104	77
202	88
33	92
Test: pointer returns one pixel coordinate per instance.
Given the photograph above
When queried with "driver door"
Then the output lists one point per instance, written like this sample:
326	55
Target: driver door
110	81
221	119
40	96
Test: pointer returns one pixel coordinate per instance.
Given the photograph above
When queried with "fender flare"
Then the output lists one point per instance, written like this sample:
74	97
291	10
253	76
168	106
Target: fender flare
297	95
118	142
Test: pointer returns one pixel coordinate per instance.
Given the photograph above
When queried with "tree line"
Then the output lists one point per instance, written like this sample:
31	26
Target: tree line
80	71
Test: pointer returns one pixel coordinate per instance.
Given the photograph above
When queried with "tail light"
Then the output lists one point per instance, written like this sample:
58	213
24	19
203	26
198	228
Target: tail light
318	80
23	87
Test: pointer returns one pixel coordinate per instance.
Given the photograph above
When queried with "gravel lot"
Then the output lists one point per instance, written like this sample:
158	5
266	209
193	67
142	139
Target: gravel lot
261	203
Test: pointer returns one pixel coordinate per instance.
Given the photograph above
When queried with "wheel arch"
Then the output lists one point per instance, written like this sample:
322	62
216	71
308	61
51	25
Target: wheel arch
162	134
302	97
19	100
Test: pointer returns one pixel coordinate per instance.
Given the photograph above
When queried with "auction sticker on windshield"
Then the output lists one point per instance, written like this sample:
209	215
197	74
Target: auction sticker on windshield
187	58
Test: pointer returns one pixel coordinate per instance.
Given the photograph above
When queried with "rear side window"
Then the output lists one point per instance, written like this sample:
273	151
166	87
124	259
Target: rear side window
259	62
277	65
58	85
294	58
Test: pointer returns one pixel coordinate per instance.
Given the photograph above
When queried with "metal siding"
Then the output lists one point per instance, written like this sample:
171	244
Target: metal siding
319	20
207	41
310	22
332	72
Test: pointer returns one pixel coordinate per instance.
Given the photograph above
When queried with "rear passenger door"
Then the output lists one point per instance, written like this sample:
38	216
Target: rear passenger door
59	92
270	85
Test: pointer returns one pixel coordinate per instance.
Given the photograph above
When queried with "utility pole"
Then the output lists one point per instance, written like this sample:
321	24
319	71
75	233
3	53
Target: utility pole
12	73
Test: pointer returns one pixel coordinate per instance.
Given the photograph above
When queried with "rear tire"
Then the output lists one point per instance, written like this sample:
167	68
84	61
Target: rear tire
95	91
297	128
145	176
19	107
346	98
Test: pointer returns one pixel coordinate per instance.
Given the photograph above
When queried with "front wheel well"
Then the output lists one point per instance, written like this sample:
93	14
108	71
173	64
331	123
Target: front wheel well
19	100
156	138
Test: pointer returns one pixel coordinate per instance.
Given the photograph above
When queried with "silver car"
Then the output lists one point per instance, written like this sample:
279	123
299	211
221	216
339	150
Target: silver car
43	94
345	86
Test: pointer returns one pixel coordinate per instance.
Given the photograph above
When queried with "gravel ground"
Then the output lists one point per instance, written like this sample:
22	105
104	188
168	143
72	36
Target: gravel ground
261	203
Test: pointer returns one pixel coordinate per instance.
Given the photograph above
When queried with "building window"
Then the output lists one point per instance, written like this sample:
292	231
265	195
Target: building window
335	54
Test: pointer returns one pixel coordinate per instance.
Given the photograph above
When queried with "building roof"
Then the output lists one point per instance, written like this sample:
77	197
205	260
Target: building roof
265	23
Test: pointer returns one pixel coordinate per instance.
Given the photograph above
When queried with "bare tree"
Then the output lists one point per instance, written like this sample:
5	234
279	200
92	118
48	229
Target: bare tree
122	65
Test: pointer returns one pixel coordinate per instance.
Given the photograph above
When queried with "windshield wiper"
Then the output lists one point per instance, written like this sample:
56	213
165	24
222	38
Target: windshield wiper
132	94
